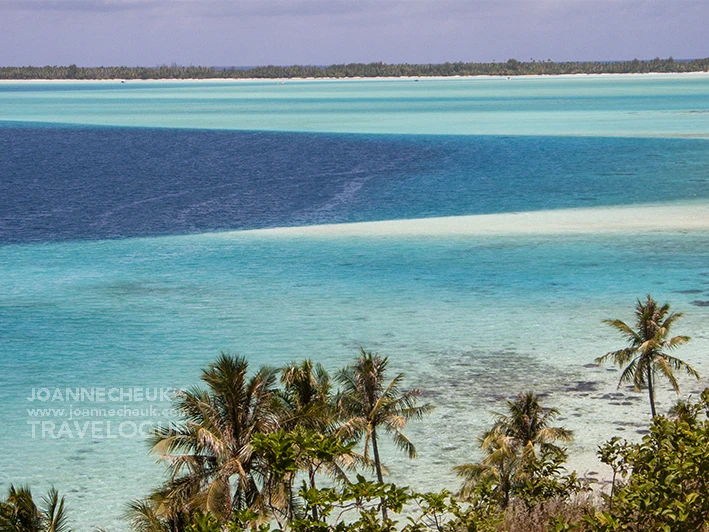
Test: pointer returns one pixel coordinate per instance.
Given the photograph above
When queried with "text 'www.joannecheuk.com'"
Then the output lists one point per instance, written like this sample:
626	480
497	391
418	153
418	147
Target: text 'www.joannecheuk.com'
100	412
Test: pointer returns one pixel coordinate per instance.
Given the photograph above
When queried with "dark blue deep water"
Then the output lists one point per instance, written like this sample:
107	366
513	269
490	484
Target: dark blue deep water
76	183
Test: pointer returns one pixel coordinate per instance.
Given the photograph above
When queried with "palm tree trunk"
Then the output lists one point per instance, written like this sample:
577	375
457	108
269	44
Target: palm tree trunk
291	500
505	486
651	391
378	467
311	477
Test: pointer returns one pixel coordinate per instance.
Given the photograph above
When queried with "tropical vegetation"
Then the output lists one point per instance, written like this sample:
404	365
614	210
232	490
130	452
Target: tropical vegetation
243	442
294	449
19	512
647	354
522	458
667	475
511	67
368	404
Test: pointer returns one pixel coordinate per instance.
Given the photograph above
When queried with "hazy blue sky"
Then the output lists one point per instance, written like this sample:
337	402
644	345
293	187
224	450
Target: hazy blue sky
256	32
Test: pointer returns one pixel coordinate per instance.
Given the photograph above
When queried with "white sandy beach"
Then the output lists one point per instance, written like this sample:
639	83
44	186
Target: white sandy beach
648	218
357	78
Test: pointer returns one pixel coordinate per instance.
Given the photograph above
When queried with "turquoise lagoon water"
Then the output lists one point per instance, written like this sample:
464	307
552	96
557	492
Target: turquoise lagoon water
661	105
115	272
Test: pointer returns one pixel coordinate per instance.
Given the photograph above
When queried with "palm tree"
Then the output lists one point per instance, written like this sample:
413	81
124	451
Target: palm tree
211	460
516	441
527	425
647	356
19	512
307	410
306	399
151	515
306	403
496	474
366	404
163	510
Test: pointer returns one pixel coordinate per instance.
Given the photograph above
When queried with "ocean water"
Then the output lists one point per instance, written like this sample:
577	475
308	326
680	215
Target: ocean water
78	182
124	264
630	106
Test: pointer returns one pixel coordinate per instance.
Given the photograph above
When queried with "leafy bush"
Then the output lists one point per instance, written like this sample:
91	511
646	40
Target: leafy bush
669	475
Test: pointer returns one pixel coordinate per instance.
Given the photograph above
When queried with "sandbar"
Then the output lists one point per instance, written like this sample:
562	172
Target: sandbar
645	218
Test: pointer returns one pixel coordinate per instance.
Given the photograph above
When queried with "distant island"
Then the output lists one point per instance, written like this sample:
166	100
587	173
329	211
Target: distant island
511	67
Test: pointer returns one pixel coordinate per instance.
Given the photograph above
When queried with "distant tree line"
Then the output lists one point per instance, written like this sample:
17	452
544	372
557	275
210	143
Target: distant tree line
512	67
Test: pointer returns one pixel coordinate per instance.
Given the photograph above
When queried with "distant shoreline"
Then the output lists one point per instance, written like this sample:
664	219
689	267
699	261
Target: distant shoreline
362	78
379	70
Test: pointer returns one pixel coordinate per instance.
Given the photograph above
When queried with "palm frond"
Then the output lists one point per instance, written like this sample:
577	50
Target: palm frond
54	514
625	329
676	341
403	443
631	374
142	517
619	357
663	366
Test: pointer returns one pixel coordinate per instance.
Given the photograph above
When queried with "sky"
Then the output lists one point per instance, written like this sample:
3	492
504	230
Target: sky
323	32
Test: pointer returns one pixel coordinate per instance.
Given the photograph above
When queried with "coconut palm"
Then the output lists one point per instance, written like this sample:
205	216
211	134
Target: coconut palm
307	412
19	512
210	457
496	474
518	440
149	515
161	511
367	403
306	399
307	405
647	354
527	426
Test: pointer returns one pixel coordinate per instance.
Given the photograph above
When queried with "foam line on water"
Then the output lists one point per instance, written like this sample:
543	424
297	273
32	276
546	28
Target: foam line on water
647	218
